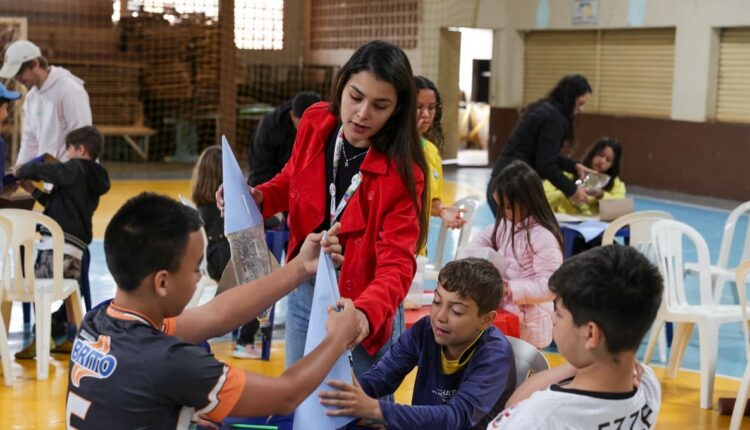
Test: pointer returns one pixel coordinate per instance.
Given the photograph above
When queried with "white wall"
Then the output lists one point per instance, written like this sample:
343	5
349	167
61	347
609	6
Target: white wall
476	44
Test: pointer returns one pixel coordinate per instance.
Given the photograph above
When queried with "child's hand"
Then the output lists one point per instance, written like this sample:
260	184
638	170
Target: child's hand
310	250
580	197
342	321
220	199
255	193
350	400
451	216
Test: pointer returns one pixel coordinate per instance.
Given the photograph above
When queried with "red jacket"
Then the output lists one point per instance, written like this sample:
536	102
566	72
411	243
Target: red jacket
379	228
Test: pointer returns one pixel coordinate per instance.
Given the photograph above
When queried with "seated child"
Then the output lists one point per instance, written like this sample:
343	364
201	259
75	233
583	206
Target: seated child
135	364
604	157
606	300
466	370
528	240
78	185
6	98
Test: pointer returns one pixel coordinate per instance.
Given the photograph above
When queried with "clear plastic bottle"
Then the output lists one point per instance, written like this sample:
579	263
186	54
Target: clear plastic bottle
251	259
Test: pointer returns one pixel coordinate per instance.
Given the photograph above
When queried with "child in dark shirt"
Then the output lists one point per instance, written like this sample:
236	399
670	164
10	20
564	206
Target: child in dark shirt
77	185
466	369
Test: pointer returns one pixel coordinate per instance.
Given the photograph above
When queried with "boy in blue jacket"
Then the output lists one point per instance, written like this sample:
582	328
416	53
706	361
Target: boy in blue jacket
466	369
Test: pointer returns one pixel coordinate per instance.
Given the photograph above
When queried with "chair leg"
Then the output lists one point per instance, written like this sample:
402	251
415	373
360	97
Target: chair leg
663	346
741	401
656	328
709	348
5	355
74	308
679	344
43	315
6	308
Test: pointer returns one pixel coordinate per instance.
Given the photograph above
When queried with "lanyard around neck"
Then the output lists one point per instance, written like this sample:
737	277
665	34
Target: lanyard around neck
356	179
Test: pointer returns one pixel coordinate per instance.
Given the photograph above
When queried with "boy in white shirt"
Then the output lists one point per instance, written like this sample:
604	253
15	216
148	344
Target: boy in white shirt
606	300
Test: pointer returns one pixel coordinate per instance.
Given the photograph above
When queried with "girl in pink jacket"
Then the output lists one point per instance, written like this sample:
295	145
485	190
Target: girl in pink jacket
528	239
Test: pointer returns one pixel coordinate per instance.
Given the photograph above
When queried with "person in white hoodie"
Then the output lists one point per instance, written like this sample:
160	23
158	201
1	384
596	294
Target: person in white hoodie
55	105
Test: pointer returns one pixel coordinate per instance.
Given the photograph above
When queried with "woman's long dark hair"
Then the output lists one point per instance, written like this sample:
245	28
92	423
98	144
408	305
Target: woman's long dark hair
399	138
565	93
520	186
435	133
597	148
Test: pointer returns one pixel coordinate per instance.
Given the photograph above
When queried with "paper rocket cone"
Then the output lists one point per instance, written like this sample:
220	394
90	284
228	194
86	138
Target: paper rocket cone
240	210
311	415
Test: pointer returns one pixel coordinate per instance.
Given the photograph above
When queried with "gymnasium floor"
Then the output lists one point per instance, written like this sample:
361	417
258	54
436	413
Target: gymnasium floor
31	404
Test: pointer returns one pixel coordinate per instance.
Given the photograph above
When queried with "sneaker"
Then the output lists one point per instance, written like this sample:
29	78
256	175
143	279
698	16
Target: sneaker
27	353
63	348
246	351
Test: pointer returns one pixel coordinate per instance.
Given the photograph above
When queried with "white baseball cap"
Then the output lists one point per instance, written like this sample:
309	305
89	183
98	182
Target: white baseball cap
16	54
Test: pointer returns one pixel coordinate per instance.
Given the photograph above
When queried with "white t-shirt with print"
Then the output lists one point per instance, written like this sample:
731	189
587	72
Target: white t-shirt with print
561	408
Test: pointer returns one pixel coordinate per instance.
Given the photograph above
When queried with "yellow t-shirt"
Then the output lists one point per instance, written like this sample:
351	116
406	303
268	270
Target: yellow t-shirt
435	173
561	204
435	169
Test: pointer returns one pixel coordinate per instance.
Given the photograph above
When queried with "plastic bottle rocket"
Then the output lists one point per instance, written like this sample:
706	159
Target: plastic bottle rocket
243	226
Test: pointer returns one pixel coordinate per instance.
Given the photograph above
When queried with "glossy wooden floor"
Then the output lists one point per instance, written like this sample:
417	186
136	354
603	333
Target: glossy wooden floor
31	404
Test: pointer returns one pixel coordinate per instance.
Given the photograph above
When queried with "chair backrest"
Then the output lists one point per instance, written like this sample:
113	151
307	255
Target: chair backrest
667	237
6	234
529	360
726	239
25	235
639	224
464	234
743	271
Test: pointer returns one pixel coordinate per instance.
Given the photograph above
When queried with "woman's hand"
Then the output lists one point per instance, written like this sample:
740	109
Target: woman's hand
364	328
583	170
254	192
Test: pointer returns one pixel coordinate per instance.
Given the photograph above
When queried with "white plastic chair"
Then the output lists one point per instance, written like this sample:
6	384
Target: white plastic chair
640	224
708	314
25	287
721	273
6	232
205	284
529	360
464	234
743	271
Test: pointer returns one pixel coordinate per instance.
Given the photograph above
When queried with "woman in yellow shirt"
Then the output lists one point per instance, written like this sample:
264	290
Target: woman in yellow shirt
604	157
429	117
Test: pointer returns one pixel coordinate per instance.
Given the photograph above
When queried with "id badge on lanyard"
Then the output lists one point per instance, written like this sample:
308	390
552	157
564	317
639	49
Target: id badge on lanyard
356	180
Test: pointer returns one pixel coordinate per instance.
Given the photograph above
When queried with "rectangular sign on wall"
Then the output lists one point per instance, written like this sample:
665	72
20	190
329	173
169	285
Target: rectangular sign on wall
585	11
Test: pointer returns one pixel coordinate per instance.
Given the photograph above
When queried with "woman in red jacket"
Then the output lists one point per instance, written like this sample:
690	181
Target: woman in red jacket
362	151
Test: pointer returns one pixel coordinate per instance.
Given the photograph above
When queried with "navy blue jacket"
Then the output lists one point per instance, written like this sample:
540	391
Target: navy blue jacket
467	399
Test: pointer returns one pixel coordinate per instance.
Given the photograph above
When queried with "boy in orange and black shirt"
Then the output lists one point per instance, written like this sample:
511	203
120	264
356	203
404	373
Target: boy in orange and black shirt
134	362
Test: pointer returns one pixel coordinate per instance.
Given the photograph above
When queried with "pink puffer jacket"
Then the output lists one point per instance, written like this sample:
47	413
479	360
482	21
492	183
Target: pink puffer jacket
526	274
